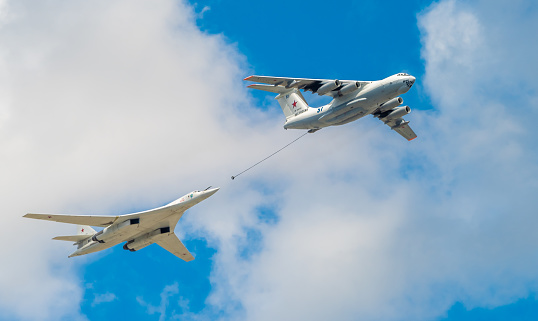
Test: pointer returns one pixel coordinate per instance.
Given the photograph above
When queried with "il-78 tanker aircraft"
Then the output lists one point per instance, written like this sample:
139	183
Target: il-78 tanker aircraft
138	230
351	100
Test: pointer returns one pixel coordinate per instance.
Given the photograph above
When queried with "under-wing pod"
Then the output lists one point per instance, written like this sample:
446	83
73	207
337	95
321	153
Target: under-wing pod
111	232
145	240
390	104
328	87
396	113
349	88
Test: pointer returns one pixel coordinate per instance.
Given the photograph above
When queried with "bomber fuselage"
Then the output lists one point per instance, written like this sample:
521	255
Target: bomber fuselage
132	230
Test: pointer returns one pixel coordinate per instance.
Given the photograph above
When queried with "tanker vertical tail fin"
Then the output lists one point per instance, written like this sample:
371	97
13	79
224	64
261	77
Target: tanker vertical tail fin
292	103
291	100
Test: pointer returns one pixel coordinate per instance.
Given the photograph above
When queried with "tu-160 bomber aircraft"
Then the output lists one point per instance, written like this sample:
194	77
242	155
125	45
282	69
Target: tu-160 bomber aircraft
138	230
351	100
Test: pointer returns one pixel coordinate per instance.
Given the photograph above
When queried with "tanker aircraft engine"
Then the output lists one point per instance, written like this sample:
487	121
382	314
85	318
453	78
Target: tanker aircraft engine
138	230
351	100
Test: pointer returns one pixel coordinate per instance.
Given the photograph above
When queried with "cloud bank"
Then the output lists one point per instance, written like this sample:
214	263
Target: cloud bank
106	107
375	229
116	105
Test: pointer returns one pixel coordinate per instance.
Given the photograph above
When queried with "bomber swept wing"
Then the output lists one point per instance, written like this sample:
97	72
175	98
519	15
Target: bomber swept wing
101	221
328	87
173	245
150	217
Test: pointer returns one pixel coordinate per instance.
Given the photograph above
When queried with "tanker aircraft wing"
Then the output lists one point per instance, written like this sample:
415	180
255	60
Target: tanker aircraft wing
305	84
138	230
402	127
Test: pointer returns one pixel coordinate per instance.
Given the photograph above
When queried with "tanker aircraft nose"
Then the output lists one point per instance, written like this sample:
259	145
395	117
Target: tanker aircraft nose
408	82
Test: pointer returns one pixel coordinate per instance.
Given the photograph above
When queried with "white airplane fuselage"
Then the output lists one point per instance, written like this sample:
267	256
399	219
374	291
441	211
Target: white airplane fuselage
130	231
348	108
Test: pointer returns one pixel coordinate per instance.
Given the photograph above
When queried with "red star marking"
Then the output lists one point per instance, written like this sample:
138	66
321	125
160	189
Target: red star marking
50	216
294	103
82	230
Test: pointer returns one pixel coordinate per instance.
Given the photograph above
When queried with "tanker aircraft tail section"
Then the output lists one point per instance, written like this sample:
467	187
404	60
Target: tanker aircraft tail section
138	230
292	103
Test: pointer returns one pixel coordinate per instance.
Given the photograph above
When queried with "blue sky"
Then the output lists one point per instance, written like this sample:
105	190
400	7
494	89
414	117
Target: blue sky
117	106
316	40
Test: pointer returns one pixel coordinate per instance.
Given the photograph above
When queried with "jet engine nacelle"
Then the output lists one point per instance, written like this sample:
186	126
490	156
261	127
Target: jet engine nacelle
145	240
136	245
388	105
112	231
328	87
349	88
398	112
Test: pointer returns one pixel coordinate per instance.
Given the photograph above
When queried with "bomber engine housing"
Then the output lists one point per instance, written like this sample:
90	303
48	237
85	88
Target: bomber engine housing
145	240
112	232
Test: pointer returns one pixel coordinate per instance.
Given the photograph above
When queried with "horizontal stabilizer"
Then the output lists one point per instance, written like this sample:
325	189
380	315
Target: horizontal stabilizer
101	221
71	238
270	88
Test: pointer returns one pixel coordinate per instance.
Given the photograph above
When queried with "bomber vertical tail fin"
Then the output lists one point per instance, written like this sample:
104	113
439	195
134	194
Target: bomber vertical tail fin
83	232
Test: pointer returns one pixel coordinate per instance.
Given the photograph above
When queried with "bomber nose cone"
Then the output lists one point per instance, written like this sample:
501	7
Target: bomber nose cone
212	191
412	80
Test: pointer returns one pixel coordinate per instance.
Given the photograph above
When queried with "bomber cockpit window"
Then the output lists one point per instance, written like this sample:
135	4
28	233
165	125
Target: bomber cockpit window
402	74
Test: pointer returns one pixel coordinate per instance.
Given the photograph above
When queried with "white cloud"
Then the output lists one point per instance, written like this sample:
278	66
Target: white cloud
373	228
168	292
103	298
105	106
114	104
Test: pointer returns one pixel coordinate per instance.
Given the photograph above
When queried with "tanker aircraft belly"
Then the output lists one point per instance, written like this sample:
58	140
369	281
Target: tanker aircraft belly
352	100
138	230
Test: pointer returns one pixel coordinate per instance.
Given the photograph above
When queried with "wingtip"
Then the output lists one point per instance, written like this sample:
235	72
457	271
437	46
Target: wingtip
248	77
412	138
